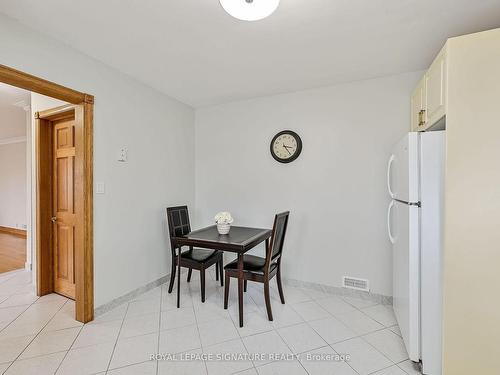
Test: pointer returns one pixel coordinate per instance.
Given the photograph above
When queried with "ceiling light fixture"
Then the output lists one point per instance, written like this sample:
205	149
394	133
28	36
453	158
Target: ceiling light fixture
250	10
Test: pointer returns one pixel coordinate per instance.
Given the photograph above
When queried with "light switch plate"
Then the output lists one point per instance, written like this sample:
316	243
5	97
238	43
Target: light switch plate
100	188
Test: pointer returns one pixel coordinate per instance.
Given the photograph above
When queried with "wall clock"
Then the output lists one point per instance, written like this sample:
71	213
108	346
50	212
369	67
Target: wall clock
286	146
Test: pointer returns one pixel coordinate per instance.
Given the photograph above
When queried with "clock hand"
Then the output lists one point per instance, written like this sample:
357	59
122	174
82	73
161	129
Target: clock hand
287	149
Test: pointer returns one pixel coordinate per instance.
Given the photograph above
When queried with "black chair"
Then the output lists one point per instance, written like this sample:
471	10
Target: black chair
198	259
262	270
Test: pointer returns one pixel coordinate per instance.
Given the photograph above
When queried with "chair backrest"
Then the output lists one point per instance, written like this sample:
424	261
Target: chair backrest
178	223
277	237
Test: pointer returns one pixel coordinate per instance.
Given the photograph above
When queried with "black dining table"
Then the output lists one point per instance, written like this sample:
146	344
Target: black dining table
239	240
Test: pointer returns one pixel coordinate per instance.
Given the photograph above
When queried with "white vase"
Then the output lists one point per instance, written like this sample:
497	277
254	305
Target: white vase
223	228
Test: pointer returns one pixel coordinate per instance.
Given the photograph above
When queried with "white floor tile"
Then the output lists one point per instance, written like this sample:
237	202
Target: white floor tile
4	366
19	300
210	312
250	371
292	295
140	325
183	367
177	318
146	368
217	331
10	348
332	330
359	303
383	314
265	344
180	340
143	307
87	360
43	365
282	368
169	301
388	343
310	310
253	323
325	361
410	367
118	313
301	338
393	370
8	314
152	294
134	350
335	305
51	342
396	330
283	315
227	365
364	359
330	319
93	334
359	322
23	327
64	318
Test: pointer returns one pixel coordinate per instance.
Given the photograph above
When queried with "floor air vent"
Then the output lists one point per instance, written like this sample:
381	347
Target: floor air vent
355	283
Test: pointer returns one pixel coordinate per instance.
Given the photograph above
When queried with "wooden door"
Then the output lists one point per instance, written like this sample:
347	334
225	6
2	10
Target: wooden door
64	217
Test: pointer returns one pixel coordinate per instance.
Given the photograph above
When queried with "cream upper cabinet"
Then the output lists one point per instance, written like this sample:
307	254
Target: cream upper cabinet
435	82
428	101
418	104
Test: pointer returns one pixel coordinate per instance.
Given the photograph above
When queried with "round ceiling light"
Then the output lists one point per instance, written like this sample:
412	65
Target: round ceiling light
250	10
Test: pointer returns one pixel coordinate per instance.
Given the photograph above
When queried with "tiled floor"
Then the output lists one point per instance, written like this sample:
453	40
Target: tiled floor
39	335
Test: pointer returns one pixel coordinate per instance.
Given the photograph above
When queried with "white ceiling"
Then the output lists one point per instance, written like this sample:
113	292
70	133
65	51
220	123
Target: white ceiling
193	51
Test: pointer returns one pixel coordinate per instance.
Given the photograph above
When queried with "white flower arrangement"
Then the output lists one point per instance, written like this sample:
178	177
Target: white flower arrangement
223	218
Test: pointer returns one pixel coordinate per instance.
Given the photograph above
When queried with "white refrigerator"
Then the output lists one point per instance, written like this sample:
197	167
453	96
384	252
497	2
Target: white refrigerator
415	180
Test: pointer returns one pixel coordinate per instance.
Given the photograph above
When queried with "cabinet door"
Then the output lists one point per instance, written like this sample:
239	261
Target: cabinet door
418	100
436	89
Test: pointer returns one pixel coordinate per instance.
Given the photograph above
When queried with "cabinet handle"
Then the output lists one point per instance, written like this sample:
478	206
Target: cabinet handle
421	121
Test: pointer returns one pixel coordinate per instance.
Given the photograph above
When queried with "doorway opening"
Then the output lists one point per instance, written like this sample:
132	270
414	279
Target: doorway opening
14	124
61	219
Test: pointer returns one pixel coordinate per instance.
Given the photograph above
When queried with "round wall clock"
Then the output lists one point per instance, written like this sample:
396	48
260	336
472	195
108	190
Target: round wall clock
286	146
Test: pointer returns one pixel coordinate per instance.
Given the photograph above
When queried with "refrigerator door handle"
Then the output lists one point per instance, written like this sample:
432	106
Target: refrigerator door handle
389	229
389	166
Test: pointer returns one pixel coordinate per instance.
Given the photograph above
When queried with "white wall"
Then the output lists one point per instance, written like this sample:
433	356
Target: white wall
13	184
130	247
336	190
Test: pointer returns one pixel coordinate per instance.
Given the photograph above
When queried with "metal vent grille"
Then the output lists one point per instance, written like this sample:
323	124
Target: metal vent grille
355	283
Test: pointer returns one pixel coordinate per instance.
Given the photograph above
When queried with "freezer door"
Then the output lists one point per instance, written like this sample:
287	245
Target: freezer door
403	224
403	170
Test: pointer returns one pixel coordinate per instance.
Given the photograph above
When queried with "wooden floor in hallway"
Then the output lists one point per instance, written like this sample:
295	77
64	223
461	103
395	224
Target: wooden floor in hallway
12	252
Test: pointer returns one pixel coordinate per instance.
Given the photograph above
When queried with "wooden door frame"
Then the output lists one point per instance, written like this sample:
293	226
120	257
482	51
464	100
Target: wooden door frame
84	260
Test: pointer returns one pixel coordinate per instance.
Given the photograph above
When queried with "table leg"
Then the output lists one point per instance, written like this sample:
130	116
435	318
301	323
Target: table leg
179	278
240	287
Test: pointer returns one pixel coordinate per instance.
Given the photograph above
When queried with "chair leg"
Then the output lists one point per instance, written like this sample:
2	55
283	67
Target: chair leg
190	272
221	271
280	286
172	276
268	300
245	285
202	281
179	279
217	271
226	291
